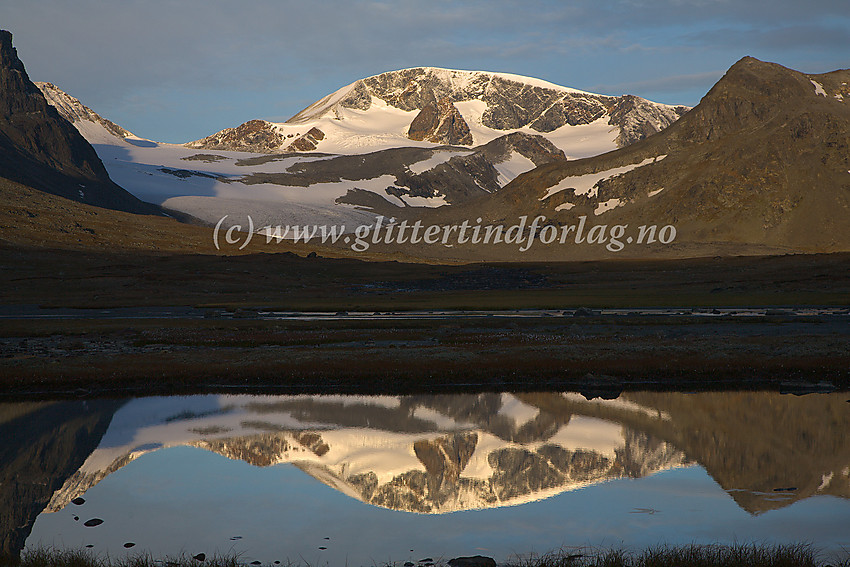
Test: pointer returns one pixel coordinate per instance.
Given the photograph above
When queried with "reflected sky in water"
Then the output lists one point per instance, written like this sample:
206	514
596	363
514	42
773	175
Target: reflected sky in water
498	474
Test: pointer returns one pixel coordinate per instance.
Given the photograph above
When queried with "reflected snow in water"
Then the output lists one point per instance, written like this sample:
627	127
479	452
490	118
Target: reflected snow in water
371	480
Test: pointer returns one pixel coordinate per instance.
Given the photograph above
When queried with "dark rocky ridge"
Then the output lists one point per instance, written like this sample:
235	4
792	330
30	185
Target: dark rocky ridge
254	135
466	176
72	110
440	122
762	160
42	446
307	142
41	149
458	179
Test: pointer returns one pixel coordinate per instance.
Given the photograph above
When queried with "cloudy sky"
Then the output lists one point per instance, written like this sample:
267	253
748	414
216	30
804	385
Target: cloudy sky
176	71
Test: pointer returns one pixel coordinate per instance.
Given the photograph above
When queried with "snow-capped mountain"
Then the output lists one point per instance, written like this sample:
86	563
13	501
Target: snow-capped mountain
300	188
427	106
439	453
426	454
758	163
416	138
748	171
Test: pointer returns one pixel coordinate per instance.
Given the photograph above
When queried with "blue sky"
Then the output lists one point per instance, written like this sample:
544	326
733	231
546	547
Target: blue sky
176	71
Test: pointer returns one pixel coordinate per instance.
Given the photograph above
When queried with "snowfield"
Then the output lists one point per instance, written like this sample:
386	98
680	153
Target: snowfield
209	184
336	454
586	184
210	189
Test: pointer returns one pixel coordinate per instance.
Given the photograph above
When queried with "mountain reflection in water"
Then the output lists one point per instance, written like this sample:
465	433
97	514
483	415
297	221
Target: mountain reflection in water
434	454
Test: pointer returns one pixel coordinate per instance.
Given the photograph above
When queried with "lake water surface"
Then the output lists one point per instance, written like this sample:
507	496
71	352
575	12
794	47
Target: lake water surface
345	480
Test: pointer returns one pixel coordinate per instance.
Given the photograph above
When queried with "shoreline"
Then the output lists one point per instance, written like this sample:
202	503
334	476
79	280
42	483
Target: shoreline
688	555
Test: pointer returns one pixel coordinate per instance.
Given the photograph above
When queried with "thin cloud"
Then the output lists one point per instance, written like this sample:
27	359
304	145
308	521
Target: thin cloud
672	83
794	37
153	64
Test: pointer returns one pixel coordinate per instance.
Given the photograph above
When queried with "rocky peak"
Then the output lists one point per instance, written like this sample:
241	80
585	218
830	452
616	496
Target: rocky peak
513	102
440	122
639	118
439	98
535	147
254	135
12	66
72	110
749	94
308	142
41	149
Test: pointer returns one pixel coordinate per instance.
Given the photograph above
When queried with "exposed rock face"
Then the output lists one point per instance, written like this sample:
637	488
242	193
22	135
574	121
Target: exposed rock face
518	473
79	482
639	118
466	176
759	162
469	173
441	123
41	149
511	102
536	148
259	450
41	448
307	142
252	136
72	110
444	459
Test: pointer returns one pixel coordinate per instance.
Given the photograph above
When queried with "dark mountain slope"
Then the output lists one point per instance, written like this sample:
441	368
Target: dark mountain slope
763	159
41	149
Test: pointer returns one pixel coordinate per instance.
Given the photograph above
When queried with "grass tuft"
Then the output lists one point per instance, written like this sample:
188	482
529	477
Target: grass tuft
743	555
44	557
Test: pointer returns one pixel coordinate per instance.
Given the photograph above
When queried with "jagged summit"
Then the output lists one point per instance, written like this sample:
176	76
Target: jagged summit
41	149
431	105
761	159
75	111
404	89
376	452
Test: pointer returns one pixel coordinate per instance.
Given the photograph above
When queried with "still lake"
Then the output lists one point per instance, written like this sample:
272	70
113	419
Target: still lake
363	480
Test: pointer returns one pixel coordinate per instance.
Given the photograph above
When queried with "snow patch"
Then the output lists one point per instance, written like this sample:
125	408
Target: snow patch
654	193
818	88
606	206
321	106
512	167
438	200
437	158
564	206
586	184
617	404
590	433
532	82
516	410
